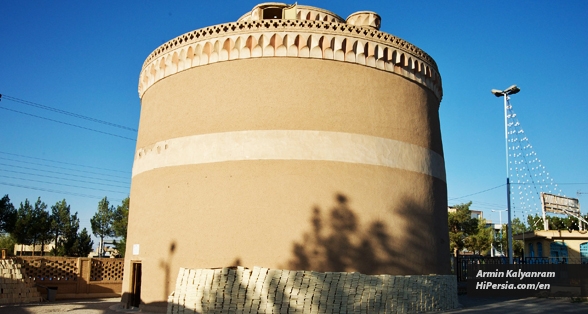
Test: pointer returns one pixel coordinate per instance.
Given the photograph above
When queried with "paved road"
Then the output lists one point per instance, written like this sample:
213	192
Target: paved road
91	306
520	305
469	305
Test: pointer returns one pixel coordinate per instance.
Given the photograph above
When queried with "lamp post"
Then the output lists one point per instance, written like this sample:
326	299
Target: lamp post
505	93
500	213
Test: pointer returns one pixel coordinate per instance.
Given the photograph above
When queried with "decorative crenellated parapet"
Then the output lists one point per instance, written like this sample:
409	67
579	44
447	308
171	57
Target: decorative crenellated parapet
291	38
316	14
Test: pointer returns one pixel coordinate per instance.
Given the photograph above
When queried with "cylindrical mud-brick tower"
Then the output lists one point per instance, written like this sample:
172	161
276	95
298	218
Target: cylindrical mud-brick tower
291	138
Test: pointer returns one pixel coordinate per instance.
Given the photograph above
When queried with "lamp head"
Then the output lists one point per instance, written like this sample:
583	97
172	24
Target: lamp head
512	90
497	93
509	91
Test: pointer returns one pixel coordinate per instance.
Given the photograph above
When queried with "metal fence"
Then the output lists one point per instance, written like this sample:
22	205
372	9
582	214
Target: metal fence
460	264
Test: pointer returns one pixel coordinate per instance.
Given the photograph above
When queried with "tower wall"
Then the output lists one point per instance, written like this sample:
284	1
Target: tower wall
238	160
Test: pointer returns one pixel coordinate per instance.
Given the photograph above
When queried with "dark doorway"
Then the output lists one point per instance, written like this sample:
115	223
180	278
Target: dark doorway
135	299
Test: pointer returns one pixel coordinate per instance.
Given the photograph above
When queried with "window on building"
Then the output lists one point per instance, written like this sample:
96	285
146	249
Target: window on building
272	13
531	250
558	252
584	253
539	249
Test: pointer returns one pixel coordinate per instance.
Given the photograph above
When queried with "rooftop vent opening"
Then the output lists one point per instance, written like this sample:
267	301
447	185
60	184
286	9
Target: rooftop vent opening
272	13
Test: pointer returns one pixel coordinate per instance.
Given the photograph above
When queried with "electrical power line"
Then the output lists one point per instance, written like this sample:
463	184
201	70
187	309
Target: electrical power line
70	124
68	179
63	168
68	113
62	184
61	173
481	206
484	203
490	189
87	184
62	162
56	191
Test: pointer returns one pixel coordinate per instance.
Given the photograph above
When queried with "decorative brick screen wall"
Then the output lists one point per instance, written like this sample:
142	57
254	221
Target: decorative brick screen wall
14	287
48	268
262	290
74	277
41	269
107	270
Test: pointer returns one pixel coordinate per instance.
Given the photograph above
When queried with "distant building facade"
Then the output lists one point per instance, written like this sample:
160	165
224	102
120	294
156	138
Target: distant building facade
477	214
247	126
30	250
556	246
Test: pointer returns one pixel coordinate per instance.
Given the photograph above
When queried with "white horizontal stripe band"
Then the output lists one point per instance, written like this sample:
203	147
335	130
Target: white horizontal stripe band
289	145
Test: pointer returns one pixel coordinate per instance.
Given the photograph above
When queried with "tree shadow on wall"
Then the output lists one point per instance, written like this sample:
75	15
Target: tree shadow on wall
166	265
336	245
338	242
157	306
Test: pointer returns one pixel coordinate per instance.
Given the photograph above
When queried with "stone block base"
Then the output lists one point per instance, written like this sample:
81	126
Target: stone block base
263	290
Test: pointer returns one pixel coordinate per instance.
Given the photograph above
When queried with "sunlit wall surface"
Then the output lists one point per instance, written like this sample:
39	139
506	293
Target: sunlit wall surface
291	139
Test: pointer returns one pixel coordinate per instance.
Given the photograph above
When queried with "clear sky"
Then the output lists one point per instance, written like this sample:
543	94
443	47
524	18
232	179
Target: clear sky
85	57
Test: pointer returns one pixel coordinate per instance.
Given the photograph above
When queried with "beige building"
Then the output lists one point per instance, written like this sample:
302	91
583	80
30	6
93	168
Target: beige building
30	250
557	245
477	214
251	131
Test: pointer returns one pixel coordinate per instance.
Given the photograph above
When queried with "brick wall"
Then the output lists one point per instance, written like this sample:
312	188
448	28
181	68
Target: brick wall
262	290
74	277
14	288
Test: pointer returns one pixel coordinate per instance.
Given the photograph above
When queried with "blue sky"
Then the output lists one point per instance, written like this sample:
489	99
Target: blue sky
85	57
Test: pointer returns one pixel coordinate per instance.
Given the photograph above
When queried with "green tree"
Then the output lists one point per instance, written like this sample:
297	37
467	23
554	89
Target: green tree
119	225
517	245
65	228
70	236
60	221
534	223
555	222
41	230
481	241
32	225
563	223
461	226
7	242
83	244
102	223
22	230
7	215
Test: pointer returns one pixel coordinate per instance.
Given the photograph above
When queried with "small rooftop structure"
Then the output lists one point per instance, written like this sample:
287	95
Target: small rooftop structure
282	11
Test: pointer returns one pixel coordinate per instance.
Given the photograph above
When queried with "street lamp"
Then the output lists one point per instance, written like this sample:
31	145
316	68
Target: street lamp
500	213
505	93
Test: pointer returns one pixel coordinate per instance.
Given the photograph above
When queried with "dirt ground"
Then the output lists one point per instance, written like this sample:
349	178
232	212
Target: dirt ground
469	305
89	306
